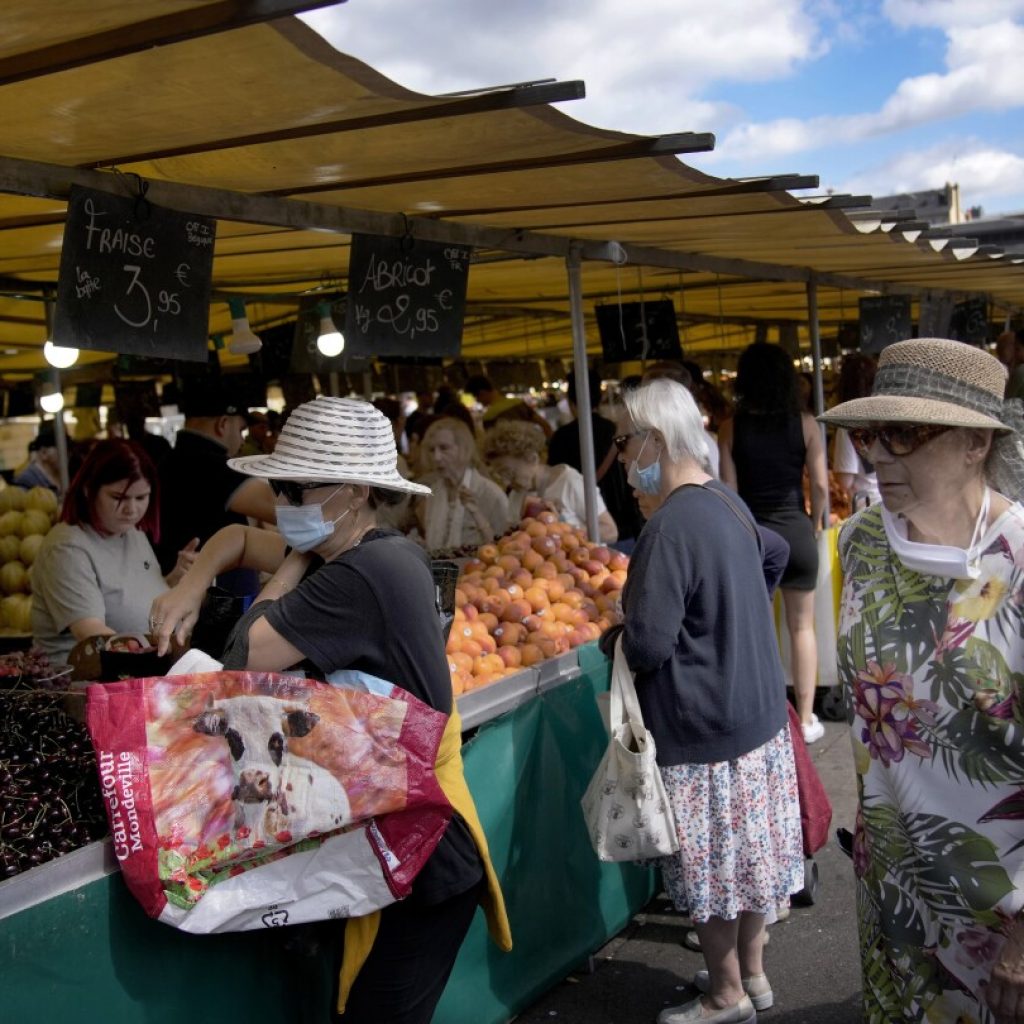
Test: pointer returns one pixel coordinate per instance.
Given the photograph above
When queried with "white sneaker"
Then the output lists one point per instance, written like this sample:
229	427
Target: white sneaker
813	730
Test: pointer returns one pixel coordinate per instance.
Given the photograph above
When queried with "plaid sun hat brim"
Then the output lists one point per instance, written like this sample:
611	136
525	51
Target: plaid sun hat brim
896	409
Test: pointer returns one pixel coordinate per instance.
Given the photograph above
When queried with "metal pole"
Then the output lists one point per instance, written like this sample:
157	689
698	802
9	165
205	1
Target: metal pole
59	431
583	409
819	384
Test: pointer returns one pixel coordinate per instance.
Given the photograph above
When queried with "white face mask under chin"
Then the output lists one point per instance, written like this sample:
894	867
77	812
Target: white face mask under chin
938	559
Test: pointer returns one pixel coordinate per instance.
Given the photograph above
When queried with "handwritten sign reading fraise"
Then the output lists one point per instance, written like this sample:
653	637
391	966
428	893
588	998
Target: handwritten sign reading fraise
134	278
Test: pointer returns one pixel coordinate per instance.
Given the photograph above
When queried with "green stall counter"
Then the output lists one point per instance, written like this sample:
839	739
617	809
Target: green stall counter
75	947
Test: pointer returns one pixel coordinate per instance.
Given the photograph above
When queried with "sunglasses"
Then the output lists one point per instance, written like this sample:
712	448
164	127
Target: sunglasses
293	490
621	440
896	438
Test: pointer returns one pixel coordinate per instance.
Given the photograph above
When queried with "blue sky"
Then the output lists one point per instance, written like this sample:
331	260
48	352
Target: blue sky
874	96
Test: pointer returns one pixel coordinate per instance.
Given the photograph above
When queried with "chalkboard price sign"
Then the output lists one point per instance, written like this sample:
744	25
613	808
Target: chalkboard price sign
638	330
883	320
406	297
969	322
134	278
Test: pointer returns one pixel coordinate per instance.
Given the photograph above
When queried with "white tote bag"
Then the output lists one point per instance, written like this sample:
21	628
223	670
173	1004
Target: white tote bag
625	806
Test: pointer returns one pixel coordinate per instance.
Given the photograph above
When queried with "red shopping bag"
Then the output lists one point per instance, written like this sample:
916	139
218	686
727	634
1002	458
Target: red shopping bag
815	806
240	800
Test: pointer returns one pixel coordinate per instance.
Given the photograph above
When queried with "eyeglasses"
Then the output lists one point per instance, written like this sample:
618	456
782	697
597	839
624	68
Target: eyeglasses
293	490
621	440
896	438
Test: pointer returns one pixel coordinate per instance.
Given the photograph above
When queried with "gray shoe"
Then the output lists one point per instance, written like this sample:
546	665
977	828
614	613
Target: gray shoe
694	1013
756	986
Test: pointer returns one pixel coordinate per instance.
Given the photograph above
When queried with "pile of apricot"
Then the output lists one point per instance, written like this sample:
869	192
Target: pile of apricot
534	594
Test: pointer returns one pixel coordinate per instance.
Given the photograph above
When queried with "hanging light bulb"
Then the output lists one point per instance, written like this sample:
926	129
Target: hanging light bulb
331	341
52	399
59	356
243	342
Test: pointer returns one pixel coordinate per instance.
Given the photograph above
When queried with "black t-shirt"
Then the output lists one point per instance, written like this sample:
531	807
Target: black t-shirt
564	449
196	484
373	609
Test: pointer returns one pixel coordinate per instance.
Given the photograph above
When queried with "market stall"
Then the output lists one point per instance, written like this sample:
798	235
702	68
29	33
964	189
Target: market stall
84	950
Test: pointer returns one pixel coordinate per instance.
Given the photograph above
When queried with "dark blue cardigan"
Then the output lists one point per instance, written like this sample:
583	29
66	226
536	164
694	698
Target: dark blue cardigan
699	632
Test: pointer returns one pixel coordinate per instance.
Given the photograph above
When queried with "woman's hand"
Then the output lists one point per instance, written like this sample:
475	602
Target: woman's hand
186	559
1004	992
176	612
468	500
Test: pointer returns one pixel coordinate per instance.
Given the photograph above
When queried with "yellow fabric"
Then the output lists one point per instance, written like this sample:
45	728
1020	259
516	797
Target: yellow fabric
361	932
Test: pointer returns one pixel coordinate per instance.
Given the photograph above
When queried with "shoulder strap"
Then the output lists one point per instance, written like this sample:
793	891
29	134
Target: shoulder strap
736	512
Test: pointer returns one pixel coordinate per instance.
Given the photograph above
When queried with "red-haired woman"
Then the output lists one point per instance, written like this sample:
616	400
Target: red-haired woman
96	573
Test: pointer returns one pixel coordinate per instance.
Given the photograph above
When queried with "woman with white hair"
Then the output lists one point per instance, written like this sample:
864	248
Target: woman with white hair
698	634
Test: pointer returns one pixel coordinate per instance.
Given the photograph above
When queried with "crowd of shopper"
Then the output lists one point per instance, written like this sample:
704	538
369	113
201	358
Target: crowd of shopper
718	510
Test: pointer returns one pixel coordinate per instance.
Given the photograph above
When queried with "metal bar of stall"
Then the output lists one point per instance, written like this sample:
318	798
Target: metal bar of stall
59	432
819	384
583	410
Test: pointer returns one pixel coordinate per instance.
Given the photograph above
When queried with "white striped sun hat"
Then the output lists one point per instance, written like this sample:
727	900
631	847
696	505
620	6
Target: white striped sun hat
337	440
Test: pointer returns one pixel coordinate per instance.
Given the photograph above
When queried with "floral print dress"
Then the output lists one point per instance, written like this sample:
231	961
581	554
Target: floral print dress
932	669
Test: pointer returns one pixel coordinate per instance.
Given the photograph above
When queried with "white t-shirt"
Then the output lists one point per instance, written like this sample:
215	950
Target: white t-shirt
80	574
846	460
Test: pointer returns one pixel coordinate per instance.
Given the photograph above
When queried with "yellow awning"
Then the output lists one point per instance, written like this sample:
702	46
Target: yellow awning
270	111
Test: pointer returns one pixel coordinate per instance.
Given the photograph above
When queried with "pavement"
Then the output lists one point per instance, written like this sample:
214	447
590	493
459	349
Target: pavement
811	957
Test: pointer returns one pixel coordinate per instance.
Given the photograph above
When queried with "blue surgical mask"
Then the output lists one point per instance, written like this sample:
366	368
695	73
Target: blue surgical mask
303	527
648	479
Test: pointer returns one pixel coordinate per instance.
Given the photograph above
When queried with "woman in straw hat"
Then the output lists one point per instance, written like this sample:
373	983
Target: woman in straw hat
931	651
349	594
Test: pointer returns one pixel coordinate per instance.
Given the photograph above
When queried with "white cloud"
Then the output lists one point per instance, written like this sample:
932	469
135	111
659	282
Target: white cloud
949	13
985	74
646	64
990	177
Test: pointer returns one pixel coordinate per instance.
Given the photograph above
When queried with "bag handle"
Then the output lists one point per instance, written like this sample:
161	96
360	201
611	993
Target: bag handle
737	513
624	705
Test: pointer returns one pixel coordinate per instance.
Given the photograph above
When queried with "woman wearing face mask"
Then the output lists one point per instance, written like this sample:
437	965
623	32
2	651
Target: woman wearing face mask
698	634
931	651
352	595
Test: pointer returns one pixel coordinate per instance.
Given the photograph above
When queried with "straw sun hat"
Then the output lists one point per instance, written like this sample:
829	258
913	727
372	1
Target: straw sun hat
337	440
931	380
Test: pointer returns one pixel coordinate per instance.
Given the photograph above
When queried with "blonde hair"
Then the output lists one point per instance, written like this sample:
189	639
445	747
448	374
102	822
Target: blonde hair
515	438
462	435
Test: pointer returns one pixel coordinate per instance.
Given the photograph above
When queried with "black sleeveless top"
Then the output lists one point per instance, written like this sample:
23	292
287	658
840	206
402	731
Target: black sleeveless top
769	453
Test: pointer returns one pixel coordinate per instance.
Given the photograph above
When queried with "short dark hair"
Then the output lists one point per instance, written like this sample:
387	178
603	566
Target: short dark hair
108	462
477	384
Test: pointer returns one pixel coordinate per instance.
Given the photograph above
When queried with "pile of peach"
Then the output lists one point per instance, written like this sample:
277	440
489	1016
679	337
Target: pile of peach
534	594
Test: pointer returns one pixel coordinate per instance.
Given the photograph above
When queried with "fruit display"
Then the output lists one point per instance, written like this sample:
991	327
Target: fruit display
50	801
531	595
25	519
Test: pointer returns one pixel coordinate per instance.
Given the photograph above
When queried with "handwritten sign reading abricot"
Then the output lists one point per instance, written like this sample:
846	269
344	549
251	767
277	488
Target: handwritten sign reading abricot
406	297
134	278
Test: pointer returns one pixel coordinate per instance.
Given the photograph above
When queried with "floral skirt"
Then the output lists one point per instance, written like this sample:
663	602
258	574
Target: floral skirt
740	844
